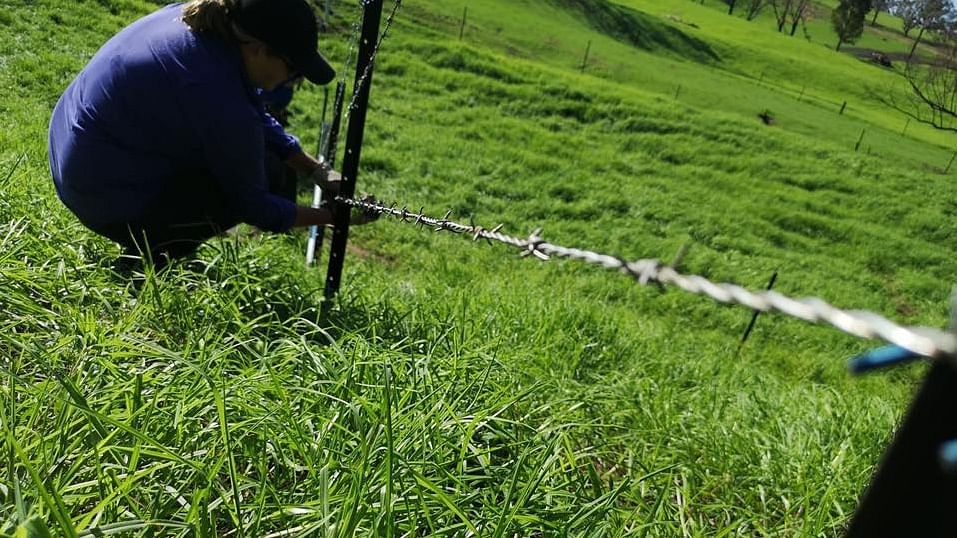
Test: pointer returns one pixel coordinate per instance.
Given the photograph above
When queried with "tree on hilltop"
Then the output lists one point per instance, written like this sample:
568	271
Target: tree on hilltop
848	20
932	99
878	6
933	15
790	11
754	9
907	11
924	14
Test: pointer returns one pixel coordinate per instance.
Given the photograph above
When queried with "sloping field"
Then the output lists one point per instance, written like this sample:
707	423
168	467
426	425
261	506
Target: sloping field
456	388
720	63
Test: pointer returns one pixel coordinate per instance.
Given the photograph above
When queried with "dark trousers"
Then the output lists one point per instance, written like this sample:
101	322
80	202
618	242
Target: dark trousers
191	211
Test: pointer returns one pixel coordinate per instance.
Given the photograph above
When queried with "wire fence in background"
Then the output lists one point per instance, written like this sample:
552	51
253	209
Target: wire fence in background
924	341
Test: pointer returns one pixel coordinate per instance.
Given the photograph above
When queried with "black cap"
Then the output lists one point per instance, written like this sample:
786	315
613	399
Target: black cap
289	28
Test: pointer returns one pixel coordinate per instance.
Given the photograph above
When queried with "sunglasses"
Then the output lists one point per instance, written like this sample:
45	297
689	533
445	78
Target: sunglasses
294	76
289	67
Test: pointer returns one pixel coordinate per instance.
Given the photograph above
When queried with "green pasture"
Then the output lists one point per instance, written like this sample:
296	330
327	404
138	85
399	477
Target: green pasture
802	84
886	35
456	388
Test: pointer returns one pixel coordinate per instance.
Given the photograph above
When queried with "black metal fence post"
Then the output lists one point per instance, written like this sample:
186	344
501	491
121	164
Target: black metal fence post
585	59
951	163
371	18
859	140
911	494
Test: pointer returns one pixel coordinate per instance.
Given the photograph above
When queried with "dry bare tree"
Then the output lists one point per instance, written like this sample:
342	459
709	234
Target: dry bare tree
932	89
931	15
754	8
878	6
804	10
908	11
789	11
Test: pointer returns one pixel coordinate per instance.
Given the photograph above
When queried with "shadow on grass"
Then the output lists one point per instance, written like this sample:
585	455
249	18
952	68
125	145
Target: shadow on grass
639	29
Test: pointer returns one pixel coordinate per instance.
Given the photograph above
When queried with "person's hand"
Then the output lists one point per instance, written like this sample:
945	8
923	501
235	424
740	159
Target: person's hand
362	216
328	179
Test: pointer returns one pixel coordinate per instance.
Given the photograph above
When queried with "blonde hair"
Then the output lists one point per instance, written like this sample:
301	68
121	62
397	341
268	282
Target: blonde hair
210	17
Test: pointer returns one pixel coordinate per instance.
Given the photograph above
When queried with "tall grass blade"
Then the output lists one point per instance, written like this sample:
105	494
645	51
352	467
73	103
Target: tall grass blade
237	513
51	499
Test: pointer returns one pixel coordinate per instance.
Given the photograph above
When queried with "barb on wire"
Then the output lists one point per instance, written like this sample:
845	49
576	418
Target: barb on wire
925	341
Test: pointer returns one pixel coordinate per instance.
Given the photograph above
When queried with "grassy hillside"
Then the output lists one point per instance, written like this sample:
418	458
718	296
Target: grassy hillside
457	388
802	83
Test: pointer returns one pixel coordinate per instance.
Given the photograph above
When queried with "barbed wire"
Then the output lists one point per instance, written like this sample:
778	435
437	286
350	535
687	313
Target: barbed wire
375	52
350	55
356	28
353	45
925	341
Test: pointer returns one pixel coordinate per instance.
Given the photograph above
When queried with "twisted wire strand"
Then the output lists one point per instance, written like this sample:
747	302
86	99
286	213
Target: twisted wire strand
925	341
350	55
375	52
353	44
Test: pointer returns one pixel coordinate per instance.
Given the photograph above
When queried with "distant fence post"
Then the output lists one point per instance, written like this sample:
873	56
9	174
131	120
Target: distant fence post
754	318
842	108
952	157
680	256
585	59
859	140
677	92
465	15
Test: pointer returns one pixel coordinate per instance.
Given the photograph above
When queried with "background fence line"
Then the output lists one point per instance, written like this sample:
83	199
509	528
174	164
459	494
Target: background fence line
924	341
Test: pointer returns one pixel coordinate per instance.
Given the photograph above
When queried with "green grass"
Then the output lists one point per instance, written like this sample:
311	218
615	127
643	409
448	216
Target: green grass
803	84
457	388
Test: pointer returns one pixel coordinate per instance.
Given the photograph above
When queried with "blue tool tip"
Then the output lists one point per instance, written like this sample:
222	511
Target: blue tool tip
948	456
881	357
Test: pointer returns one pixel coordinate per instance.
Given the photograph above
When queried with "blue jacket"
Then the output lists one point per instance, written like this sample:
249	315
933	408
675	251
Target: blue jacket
156	102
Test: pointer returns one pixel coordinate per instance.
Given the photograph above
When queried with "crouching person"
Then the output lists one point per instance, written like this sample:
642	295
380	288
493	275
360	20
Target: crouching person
161	142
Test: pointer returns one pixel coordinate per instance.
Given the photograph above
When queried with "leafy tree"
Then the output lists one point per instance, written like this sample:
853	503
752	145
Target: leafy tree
848	20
